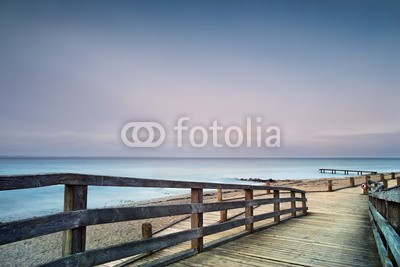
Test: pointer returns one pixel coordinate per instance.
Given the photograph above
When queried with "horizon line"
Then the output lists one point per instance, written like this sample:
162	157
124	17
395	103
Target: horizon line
190	157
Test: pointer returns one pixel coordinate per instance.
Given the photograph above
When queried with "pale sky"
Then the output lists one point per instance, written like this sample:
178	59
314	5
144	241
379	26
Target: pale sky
72	73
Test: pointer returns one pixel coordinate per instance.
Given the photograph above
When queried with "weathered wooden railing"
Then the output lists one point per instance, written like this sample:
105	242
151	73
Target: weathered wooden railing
351	184
368	181
382	183
76	217
384	206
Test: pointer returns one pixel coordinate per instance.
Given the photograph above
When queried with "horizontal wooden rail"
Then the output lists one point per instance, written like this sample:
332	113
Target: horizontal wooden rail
374	182
378	186
76	217
29	228
390	235
386	195
382	251
42	180
99	256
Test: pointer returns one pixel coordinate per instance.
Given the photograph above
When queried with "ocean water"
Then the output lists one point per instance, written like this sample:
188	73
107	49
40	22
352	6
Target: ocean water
25	203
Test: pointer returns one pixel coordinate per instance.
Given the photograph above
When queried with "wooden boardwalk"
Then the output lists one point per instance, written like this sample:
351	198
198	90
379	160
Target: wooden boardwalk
336	232
264	230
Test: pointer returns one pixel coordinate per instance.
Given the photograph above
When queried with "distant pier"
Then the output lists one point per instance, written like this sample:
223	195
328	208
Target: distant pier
334	171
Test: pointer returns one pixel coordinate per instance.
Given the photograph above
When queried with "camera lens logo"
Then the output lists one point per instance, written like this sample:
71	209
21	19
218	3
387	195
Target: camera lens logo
155	134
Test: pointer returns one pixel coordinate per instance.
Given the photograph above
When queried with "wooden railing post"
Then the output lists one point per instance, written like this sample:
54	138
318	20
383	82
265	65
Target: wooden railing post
385	182
352	183
367	182
304	203
392	175
197	218
75	198
268	184
293	203
223	213
277	206
147	232
330	185
248	195
398	180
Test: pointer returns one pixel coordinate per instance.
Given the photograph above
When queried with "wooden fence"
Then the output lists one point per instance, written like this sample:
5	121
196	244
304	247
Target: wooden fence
76	217
383	182
351	184
384	206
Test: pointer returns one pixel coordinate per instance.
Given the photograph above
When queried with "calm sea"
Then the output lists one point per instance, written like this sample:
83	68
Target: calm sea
19	204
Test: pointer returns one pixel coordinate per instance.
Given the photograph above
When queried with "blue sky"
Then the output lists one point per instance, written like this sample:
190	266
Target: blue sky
326	72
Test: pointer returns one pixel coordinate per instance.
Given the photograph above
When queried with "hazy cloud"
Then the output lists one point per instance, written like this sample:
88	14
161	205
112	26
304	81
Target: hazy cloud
72	74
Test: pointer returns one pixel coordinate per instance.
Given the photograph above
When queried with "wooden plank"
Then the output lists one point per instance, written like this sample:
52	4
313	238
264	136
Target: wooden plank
32	181
223	213
392	238
225	239
24	229
268	190
140	182
392	195
383	180
248	195
374	182
352	183
171	259
276	206
147	230
102	255
383	254
197	219
75	198
29	228
293	203
330	186
393	215
304	202
368	181
217	228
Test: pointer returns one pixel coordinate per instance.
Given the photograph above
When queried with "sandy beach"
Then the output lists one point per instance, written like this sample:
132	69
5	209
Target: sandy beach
47	248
